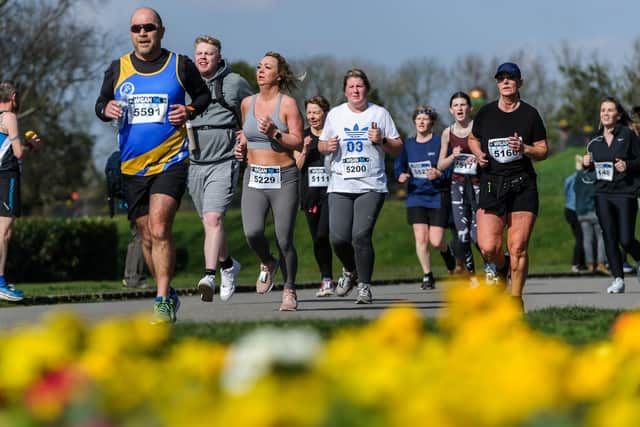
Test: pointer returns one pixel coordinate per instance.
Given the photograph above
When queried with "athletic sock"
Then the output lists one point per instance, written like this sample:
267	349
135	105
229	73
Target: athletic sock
227	263
210	272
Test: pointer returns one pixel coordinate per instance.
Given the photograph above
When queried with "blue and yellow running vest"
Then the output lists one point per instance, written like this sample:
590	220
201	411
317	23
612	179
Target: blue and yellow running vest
149	144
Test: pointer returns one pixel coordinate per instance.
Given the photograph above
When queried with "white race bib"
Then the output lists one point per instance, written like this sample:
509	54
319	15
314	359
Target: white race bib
355	167
148	108
604	171
500	151
465	164
264	177
419	169
318	176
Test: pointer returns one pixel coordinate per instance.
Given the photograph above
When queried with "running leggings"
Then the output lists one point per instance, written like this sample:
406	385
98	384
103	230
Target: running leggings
463	210
283	202
318	221
617	216
351	221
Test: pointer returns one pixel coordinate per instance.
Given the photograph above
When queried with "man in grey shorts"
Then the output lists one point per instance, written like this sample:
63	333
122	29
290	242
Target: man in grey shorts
213	170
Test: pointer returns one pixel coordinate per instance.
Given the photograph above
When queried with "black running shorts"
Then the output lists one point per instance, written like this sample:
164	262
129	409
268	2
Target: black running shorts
138	189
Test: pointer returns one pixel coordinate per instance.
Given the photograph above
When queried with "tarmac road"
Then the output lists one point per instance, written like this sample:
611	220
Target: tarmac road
539	292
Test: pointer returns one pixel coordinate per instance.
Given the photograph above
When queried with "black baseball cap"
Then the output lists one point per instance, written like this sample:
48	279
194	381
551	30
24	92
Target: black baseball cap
509	68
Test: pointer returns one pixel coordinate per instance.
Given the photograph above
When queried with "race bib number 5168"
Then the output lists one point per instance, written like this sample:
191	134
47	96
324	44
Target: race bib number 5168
500	151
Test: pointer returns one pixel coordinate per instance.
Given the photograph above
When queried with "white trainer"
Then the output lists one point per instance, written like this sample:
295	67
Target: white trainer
617	286
207	287
228	280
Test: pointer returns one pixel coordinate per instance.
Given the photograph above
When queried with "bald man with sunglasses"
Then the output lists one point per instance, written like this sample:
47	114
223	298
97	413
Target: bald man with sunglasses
144	91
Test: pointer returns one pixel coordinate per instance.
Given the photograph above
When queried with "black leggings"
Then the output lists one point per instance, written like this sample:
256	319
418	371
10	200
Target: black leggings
351	221
617	216
318	221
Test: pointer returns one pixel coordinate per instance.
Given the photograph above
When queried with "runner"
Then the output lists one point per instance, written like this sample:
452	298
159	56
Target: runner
506	136
313	191
427	211
213	169
143	92
272	131
12	148
613	152
356	136
465	185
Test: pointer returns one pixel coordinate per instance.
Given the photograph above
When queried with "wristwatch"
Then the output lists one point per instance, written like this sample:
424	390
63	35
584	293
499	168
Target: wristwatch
277	135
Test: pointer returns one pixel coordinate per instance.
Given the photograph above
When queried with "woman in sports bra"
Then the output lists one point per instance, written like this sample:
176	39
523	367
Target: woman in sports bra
465	185
272	130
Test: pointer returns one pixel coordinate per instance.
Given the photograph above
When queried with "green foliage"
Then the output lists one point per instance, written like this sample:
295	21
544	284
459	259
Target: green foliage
247	71
44	250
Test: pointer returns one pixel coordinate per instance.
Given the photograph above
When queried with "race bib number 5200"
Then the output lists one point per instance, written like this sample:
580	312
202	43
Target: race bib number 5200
355	167
500	151
148	108
264	177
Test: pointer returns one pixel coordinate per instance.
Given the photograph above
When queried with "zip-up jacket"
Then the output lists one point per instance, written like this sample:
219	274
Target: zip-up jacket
625	146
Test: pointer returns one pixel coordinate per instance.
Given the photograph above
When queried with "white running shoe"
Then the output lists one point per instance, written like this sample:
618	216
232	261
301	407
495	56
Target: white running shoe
327	288
617	286
207	287
228	280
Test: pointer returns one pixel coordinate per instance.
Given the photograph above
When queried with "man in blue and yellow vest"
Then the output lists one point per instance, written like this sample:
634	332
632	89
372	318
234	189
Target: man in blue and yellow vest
144	92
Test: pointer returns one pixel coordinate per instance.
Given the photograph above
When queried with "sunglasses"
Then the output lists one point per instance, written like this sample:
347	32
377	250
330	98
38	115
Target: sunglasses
146	27
429	112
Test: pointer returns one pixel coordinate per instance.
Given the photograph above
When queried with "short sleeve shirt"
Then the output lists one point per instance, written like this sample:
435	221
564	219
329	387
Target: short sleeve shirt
493	127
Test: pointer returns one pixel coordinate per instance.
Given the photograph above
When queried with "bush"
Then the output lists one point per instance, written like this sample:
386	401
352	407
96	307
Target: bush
43	249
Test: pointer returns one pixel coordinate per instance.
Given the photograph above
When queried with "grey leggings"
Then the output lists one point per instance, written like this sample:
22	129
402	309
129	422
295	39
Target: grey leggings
283	202
351	221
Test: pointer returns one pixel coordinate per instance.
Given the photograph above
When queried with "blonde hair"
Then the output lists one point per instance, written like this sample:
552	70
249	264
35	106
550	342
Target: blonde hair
209	40
288	81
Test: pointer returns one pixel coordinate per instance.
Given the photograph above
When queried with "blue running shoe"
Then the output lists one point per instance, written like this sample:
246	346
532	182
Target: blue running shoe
163	311
173	296
9	293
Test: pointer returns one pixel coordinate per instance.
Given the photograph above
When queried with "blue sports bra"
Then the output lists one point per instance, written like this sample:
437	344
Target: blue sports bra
258	140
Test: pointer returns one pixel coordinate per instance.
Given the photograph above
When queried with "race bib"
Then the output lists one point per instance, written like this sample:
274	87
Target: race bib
419	169
148	108
355	167
264	177
465	164
500	151
604	171
318	176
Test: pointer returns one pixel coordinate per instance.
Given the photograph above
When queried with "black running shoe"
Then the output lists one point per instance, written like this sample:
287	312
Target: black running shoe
428	282
449	258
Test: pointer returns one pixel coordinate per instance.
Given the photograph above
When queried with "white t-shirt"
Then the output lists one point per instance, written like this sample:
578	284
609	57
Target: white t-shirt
358	165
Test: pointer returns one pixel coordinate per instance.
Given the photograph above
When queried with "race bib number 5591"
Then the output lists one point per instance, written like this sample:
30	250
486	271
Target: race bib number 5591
148	108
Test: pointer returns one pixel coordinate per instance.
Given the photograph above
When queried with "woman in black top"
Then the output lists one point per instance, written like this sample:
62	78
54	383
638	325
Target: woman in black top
614	152
506	135
313	191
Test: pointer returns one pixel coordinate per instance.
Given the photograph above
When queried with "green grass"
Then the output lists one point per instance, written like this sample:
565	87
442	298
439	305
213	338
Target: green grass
550	248
578	326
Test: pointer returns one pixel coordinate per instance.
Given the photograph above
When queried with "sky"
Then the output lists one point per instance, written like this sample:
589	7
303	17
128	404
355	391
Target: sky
382	32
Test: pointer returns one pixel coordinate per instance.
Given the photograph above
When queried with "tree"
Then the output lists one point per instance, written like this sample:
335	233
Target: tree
52	58
631	77
583	86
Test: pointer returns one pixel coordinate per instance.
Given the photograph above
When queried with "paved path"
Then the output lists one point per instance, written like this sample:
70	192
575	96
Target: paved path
540	292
